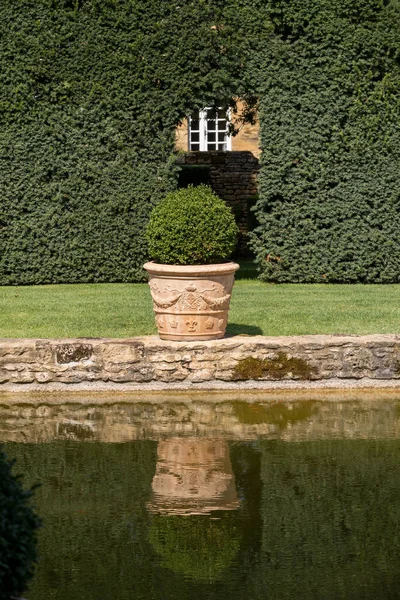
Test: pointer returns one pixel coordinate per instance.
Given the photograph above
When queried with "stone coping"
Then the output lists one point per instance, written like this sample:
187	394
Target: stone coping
237	362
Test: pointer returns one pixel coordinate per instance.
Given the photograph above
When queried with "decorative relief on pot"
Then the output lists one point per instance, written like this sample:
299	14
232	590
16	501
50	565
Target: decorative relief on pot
163	301
191	326
188	299
209	324
173	323
159	322
191	301
217	303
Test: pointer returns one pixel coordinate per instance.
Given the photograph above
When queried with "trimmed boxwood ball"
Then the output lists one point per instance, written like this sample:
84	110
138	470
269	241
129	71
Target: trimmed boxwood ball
18	524
191	226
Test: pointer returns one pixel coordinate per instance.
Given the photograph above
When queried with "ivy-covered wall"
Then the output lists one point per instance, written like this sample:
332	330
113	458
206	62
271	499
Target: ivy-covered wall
90	94
329	197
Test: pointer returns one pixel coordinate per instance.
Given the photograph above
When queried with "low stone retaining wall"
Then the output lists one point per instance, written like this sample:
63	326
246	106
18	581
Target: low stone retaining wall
148	361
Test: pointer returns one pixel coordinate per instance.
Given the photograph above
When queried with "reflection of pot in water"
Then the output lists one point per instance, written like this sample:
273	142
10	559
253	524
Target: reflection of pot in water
193	476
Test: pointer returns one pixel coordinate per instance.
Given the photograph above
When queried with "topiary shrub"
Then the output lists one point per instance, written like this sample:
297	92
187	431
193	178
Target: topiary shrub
18	524
191	226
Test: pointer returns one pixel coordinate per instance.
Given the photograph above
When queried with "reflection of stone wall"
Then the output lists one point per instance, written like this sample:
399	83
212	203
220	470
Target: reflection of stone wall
376	417
149	360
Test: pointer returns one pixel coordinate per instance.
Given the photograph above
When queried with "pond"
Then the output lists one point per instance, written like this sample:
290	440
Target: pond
285	499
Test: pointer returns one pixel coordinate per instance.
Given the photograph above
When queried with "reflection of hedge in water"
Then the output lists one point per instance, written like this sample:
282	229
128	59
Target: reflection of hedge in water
93	506
18	524
199	547
95	539
329	522
331	517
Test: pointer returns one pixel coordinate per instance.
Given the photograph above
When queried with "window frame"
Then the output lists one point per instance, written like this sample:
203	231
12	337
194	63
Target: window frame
203	131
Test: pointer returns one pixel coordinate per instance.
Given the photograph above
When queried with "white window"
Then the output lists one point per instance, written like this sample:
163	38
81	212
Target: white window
208	130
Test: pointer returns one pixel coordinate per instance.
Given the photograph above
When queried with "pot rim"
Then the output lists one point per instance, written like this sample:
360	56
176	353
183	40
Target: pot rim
226	268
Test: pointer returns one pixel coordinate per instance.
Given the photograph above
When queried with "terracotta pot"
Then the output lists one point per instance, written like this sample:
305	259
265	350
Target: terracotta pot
191	302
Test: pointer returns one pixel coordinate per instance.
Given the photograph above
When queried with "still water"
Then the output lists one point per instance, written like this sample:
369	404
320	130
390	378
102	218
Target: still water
228	500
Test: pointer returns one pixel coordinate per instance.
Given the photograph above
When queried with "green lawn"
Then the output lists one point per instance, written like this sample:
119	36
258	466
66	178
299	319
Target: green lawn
124	310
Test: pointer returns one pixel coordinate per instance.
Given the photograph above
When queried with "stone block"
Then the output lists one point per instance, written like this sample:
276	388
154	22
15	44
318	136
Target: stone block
223	375
227	364
22	377
383	373
168	357
122	353
44	352
44	377
51	368
124	377
165	366
70	353
170	376
201	375
4	376
13	367
17	353
72	378
210	356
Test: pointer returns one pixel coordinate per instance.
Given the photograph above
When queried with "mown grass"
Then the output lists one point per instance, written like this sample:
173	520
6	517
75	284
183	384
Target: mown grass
124	310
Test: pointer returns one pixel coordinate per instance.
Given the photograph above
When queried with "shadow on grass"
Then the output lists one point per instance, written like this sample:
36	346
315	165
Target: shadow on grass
238	329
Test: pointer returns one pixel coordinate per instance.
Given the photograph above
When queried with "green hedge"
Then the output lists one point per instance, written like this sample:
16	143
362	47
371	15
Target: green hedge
90	93
18	524
329	206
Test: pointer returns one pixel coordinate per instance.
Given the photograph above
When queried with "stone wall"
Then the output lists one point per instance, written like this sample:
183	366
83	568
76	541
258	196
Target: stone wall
231	362
232	176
